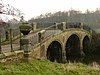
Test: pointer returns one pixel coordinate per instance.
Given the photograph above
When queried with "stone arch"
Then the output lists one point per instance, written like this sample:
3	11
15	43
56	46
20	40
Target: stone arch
86	44
72	46
54	51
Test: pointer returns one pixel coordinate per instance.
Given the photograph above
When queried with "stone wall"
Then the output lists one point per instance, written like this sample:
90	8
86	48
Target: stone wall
11	57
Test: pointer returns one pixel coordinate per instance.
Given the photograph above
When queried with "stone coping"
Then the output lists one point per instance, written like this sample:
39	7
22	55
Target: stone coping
8	54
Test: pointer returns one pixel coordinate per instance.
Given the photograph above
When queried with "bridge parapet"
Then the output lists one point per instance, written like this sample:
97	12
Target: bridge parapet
43	34
39	41
46	36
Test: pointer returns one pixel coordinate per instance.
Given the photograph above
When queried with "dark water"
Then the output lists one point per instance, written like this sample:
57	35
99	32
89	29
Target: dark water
91	58
87	59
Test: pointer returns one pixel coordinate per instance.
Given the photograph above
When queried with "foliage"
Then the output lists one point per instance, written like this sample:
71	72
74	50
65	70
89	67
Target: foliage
96	43
91	18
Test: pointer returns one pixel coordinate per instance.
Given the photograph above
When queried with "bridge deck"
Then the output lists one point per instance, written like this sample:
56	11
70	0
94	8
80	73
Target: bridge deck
34	38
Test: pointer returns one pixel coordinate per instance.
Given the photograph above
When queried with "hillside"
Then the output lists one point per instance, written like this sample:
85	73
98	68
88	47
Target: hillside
44	67
90	18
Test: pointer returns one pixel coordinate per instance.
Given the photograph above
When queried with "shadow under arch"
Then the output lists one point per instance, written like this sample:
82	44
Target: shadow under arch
73	47
86	45
54	52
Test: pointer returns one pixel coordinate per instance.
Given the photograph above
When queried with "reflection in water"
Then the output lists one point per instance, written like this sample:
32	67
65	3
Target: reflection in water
91	58
87	59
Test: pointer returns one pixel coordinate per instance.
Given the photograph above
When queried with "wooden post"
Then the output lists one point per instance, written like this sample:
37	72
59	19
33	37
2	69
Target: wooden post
20	41
11	40
0	44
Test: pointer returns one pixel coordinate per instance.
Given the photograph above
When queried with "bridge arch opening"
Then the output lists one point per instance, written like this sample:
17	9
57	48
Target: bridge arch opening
86	44
72	47
54	52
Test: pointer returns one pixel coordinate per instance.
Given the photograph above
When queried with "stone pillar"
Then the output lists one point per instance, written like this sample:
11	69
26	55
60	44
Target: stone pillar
27	57
41	35
64	26
25	46
82	54
34	26
63	55
56	27
90	31
81	25
42	51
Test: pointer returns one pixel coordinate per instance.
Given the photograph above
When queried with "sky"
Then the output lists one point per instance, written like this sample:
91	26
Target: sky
33	8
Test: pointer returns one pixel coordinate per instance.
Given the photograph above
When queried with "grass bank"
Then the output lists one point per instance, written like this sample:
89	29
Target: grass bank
44	67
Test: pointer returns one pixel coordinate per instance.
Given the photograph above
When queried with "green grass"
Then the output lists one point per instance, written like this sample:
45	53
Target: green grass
44	67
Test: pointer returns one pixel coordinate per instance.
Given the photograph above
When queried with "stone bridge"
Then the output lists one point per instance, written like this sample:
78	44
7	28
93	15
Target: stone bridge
57	44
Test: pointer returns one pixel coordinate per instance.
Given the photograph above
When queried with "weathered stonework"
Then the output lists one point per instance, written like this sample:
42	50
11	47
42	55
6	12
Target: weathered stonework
40	50
11	57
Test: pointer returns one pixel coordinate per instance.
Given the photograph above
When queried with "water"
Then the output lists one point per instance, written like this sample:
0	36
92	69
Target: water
87	59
